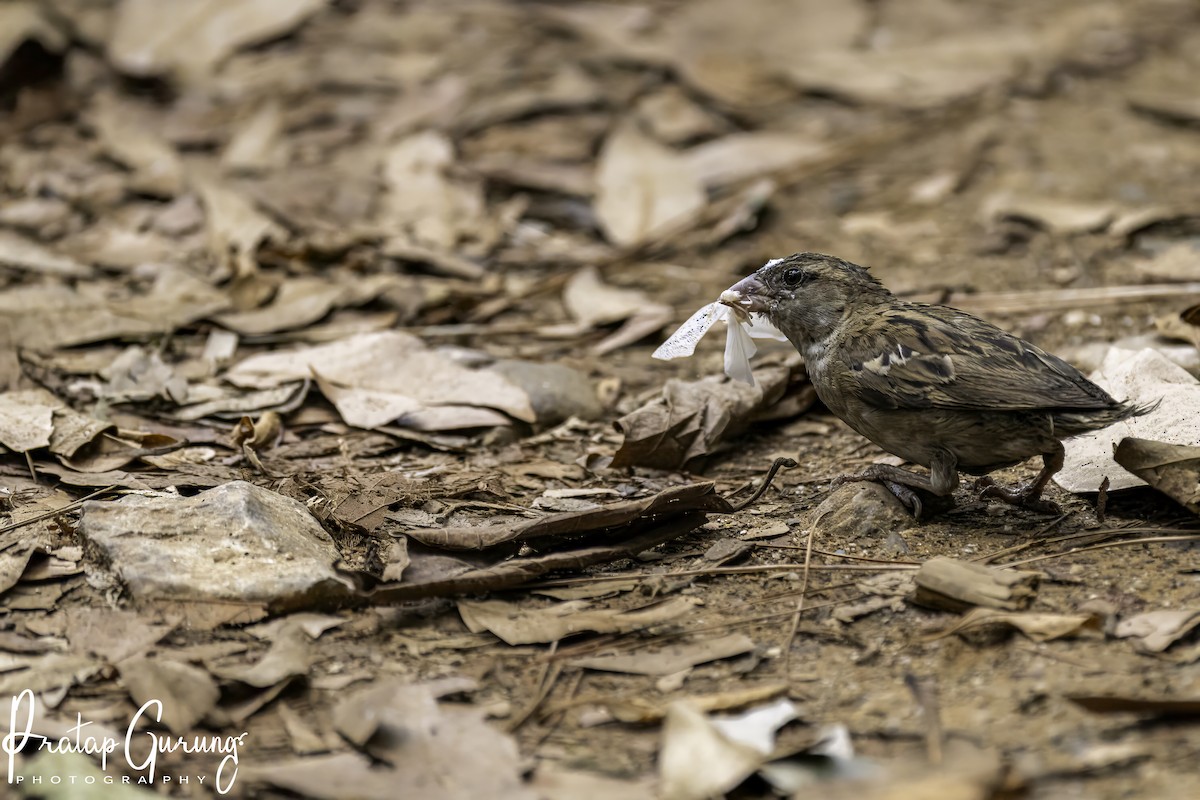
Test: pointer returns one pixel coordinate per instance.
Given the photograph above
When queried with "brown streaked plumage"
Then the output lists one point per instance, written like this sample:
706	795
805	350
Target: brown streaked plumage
931	384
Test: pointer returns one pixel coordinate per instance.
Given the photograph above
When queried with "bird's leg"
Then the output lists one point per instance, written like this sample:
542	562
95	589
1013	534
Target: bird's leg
1030	496
912	489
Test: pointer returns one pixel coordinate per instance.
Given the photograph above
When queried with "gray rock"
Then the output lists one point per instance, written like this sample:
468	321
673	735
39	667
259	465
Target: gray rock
556	392
860	511
235	542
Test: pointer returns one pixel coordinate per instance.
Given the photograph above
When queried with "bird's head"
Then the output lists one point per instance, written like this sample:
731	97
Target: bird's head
806	295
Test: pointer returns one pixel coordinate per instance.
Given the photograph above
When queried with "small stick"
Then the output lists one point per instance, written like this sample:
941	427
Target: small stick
57	511
550	672
1102	500
32	471
749	570
925	692
1194	537
791	637
1091	297
780	463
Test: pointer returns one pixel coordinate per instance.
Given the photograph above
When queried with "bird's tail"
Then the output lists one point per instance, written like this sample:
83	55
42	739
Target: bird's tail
1071	423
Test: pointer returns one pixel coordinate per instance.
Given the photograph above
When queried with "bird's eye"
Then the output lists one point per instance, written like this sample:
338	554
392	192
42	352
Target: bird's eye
794	277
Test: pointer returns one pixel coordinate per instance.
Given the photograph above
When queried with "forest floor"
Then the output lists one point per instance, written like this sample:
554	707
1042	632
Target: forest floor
330	308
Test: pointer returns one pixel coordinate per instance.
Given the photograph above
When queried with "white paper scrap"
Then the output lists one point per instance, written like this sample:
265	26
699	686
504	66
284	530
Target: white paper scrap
741	330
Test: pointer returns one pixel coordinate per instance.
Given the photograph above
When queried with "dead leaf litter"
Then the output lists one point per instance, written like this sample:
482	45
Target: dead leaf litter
334	416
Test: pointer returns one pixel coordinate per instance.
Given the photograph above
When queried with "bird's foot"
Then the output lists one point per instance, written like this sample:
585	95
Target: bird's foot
1028	496
907	497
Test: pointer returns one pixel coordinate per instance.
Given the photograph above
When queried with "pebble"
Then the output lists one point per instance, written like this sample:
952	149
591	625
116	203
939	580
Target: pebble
860	511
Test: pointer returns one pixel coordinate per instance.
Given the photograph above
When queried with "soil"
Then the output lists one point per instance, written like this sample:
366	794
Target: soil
1075	122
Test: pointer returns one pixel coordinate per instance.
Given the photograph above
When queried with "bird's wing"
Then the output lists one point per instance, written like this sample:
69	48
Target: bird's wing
918	356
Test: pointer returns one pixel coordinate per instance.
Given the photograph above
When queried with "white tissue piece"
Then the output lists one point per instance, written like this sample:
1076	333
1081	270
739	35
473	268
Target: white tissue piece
739	338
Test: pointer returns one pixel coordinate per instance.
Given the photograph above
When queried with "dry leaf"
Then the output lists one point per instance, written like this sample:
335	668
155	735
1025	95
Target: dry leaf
422	199
517	624
300	302
1175	108
367	507
49	316
927	75
621	532
1037	626
671	658
692	419
27	21
1155	631
418	749
378	378
27	419
1062	217
187	693
593	303
114	634
1184	326
138	374
642	187
701	758
235	227
741	156
957	585
645	711
568	87
20	253
257	145
189	38
675	118
736	58
1173	469
132	143
289	656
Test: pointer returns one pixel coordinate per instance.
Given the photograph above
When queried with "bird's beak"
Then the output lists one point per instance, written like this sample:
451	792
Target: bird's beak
748	294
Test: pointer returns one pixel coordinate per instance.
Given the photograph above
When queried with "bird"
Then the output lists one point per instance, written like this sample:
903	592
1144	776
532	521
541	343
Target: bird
936	386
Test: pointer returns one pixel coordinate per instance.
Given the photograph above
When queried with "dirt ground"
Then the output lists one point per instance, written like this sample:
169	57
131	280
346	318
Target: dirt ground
447	196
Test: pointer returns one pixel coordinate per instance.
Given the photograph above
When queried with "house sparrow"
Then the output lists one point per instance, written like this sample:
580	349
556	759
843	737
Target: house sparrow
931	384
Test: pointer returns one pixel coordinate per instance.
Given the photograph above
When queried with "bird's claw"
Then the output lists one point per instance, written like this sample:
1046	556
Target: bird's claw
1022	498
907	497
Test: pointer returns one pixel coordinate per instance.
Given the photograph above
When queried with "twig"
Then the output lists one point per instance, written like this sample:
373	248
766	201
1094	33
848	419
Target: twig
553	717
925	692
56	512
32	472
1194	537
780	463
627	643
1066	537
1002	302
835	555
550	672
791	637
1074	662
1102	500
767	598
748	570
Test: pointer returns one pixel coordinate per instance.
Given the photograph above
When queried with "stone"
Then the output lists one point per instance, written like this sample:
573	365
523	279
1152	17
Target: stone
857	511
556	392
234	543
